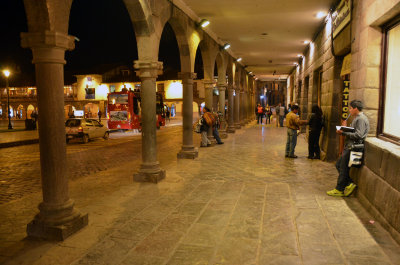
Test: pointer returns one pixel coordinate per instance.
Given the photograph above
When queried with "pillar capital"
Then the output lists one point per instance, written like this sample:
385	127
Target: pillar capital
148	69
47	46
222	86
208	83
186	75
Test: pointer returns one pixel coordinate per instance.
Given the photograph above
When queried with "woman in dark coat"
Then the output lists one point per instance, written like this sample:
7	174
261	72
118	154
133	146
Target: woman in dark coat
316	124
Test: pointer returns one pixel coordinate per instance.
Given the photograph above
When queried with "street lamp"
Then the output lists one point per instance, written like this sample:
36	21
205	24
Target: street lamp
7	74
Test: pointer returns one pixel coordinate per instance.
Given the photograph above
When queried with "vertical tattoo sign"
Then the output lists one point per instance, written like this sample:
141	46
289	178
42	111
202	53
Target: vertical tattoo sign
345	100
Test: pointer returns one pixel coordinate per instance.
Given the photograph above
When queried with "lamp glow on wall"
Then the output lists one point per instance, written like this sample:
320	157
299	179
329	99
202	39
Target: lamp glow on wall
174	90
226	46
102	91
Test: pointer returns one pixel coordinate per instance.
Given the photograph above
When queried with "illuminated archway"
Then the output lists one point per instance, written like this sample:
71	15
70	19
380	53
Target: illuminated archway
91	110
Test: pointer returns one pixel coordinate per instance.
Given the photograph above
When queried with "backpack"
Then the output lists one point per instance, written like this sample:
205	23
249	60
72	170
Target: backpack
209	118
197	126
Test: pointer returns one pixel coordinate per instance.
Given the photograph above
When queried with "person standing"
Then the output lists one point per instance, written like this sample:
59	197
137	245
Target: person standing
204	129
316	124
282	113
293	124
168	114
209	120
99	113
259	114
345	185
215	127
268	114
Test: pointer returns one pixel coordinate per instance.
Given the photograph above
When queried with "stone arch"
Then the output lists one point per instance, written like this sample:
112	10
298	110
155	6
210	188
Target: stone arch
209	51
183	29
237	77
91	110
221	60
47	15
147	34
69	110
169	54
230	70
141	17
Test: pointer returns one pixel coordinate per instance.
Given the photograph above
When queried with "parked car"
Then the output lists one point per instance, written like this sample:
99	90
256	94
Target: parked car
85	129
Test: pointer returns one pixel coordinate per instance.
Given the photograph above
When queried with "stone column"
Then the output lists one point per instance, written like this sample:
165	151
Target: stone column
188	150
242	108
150	170
248	107
209	87
223	125
237	108
57	218
231	102
252	107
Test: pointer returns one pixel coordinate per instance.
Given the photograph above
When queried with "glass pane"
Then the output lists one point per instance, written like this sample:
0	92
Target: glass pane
118	99
392	97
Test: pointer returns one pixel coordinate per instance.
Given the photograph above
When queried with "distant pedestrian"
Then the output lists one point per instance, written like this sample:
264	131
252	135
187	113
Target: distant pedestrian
268	114
282	114
99	113
316	124
259	113
168	115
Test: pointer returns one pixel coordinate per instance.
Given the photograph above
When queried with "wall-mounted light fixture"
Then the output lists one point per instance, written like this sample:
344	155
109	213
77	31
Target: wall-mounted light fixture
226	46
321	14
203	23
300	55
306	42
239	59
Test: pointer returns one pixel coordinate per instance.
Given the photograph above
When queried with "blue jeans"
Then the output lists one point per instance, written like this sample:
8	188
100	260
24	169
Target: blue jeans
342	165
281	118
291	142
216	135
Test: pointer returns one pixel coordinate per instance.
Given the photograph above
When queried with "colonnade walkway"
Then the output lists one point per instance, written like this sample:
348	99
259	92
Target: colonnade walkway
238	203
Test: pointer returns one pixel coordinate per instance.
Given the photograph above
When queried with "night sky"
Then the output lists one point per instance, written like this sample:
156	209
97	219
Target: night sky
106	40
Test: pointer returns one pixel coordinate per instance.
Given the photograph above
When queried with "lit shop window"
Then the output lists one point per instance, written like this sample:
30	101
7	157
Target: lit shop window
391	115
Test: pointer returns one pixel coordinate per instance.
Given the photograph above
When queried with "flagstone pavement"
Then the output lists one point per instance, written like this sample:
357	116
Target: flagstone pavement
242	202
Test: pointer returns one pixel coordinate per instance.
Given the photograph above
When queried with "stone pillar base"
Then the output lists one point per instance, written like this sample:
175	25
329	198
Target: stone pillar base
243	123
188	154
41	229
231	129
238	126
223	134
149	173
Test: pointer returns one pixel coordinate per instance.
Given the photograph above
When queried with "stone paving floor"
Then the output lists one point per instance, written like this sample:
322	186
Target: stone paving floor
237	203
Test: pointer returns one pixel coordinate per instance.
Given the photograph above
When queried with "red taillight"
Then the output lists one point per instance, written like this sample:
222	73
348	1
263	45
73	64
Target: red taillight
80	129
